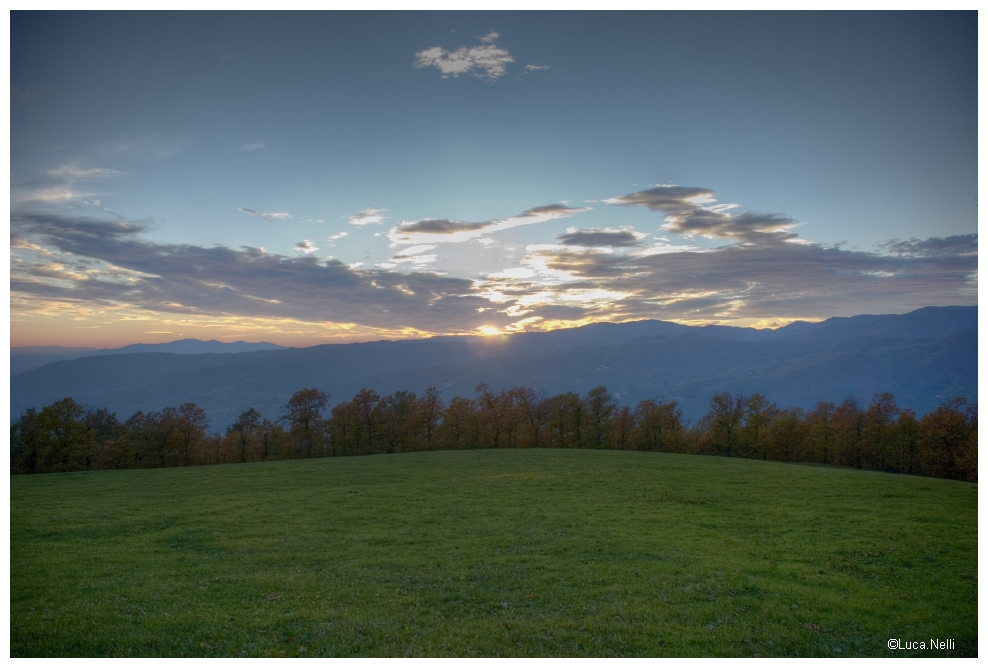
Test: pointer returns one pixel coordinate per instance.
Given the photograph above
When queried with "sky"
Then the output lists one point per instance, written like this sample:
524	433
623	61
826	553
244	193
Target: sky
306	178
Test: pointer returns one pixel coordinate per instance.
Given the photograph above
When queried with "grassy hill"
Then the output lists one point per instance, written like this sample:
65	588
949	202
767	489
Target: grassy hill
492	552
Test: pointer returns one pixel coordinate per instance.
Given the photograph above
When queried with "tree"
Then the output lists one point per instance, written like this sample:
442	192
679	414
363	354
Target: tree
192	425
758	414
430	408
726	415
244	428
657	426
600	405
103	430
943	437
303	416
458	428
152	433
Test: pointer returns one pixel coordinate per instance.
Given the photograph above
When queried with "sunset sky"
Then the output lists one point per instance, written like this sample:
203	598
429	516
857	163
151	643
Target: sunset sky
330	177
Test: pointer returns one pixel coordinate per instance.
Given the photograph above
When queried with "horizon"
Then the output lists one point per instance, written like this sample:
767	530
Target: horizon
499	335
304	179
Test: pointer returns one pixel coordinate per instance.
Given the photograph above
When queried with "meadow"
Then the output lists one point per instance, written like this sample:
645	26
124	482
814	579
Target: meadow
492	553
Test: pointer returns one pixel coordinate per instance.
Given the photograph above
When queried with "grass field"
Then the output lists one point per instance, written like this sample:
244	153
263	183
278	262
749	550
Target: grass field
492	552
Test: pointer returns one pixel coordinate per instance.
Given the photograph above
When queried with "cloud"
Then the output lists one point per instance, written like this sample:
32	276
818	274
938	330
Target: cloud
665	198
268	215
964	244
368	217
720	225
253	147
490	37
74	172
621	236
220	281
337	236
773	278
535	68
438	230
489	60
47	195
413	255
306	246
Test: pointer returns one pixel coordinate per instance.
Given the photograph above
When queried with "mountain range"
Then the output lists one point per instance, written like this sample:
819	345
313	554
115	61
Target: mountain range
923	357
25	358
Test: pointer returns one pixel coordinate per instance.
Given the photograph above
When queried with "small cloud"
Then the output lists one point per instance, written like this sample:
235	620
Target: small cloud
490	37
719	225
534	68
491	59
306	246
267	215
443	230
46	195
621	236
963	244
253	147
368	217
73	172
337	236
666	198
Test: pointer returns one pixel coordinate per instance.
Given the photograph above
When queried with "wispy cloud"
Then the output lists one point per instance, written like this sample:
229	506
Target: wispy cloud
336	236
75	172
487	61
441	230
490	37
267	215
412	255
47	195
306	246
253	147
368	217
535	68
963	244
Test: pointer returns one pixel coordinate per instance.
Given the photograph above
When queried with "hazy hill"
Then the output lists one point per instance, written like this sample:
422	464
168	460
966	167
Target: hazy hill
923	357
25	358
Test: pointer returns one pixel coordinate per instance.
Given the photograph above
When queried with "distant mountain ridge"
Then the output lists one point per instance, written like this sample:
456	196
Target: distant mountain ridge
923	357
25	358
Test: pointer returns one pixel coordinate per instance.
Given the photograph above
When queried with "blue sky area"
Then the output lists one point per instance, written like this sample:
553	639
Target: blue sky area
315	177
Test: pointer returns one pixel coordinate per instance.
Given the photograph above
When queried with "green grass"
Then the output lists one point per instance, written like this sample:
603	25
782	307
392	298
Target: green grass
486	553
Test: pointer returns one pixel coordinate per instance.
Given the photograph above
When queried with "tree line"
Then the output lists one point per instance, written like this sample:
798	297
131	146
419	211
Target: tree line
67	436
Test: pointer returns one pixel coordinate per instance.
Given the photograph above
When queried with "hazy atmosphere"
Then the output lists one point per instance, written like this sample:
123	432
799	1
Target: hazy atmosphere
307	179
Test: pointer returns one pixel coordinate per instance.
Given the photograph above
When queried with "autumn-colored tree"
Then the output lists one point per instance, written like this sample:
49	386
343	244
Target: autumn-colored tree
244	430
726	421
943	438
600	407
192	423
303	416
758	416
657	426
459	427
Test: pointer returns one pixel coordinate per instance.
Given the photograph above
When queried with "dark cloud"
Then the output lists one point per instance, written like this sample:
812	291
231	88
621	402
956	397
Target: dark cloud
775	278
664	198
441	226
747	226
555	210
183	278
963	244
600	237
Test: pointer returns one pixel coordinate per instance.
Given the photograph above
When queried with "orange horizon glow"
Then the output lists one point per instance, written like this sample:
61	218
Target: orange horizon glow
94	327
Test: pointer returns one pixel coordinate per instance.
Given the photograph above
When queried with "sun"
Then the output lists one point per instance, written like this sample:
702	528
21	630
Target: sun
487	330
